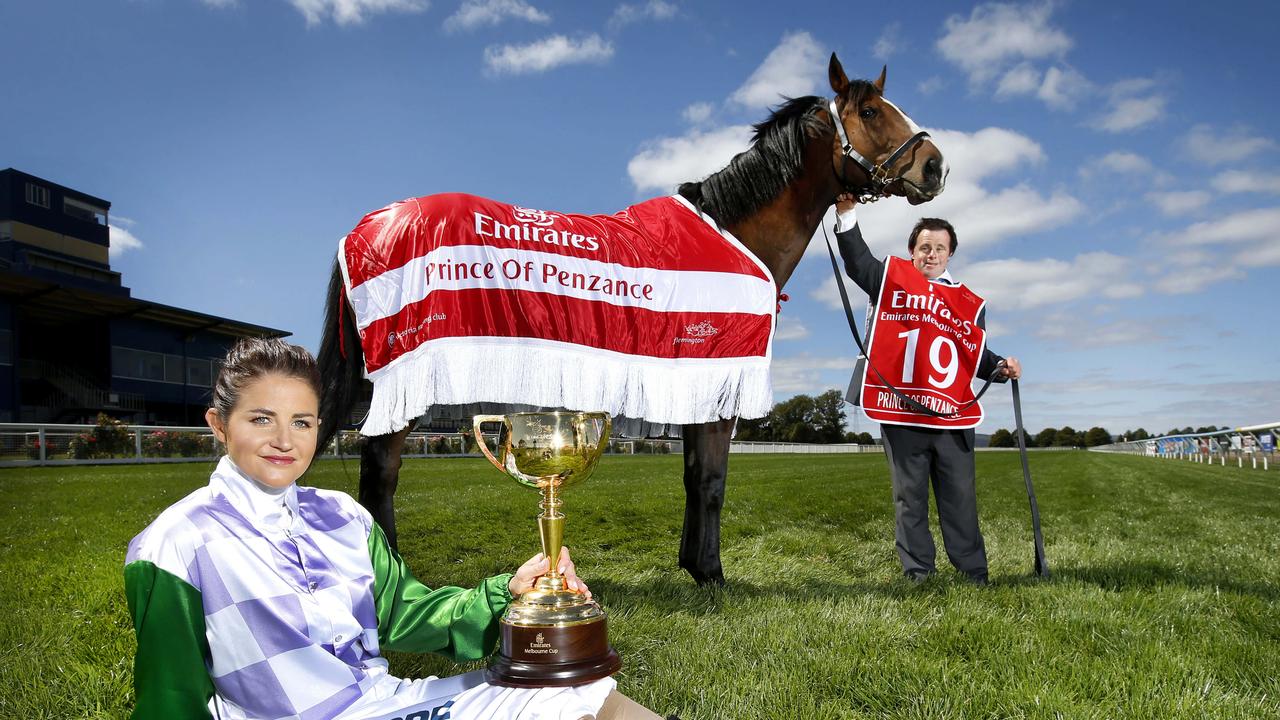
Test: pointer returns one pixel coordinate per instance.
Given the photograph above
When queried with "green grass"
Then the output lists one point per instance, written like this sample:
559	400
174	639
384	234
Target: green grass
1165	600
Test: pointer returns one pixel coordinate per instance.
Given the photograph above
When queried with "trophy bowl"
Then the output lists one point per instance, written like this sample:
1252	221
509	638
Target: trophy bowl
551	635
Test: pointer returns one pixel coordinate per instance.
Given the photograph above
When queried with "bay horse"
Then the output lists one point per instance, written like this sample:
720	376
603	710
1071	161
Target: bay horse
771	197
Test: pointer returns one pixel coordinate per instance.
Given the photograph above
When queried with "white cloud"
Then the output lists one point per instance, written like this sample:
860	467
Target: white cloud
790	328
354	12
698	113
546	54
792	69
930	85
665	163
1245	226
474	13
625	14
1076	332
221	3
121	239
1022	79
1215	147
889	42
1242	181
1131	103
1015	284
1195	279
1179	202
1119	162
810	375
982	215
1063	88
997	35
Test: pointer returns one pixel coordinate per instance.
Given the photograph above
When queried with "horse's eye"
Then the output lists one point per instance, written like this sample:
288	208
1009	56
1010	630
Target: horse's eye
867	113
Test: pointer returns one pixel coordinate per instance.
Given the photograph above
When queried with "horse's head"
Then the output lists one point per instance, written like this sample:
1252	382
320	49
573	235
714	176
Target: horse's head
881	151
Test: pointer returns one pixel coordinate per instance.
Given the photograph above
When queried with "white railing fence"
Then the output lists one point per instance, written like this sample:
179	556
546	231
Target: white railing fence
35	444
1253	446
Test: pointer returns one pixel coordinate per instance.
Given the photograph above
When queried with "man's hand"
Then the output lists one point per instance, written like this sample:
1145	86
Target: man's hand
845	202
1011	368
537	566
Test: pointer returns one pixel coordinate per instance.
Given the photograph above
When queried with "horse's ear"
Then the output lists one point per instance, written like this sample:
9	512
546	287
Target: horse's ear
839	81
880	80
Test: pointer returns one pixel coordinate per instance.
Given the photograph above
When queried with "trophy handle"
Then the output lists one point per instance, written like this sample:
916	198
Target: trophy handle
484	448
604	436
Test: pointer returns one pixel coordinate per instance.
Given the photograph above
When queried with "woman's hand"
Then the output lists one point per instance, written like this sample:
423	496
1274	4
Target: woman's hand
537	566
845	202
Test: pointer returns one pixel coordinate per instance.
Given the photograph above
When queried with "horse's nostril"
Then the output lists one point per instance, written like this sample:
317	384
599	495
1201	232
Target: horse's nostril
932	169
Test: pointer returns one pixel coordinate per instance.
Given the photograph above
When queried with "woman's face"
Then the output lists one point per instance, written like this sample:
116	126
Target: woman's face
932	252
271	432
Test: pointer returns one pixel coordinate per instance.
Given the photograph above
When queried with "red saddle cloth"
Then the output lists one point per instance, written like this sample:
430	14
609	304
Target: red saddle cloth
653	312
927	343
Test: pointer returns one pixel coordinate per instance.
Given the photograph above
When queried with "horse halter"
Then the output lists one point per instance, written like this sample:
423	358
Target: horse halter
877	175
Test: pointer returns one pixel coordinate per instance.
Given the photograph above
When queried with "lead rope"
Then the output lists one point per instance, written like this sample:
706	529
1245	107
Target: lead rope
1042	565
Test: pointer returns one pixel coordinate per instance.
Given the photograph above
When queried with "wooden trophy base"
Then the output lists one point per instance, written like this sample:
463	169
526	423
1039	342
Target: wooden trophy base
553	655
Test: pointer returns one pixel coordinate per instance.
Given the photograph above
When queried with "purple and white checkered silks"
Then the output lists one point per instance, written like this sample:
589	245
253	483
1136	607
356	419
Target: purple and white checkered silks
287	591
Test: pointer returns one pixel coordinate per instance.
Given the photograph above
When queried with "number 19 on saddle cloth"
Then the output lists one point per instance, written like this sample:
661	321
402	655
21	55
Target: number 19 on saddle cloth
927	343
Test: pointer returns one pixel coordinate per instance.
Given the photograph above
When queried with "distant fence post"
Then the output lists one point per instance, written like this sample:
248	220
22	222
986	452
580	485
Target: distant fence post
43	448
137	443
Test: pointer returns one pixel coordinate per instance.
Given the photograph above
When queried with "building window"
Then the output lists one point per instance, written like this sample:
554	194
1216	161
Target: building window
199	372
38	195
84	211
160	367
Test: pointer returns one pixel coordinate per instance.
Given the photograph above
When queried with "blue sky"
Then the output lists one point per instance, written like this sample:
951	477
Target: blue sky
1114	166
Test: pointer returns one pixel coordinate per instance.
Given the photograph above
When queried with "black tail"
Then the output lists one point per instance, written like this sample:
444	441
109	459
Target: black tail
341	362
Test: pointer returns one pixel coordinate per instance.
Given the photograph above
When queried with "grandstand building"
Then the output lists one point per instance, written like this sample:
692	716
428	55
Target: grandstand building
74	341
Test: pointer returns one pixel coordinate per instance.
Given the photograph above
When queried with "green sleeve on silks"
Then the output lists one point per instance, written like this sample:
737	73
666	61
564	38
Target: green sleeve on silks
170	674
459	623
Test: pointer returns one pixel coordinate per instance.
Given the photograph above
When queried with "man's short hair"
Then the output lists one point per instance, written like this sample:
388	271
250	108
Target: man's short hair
932	224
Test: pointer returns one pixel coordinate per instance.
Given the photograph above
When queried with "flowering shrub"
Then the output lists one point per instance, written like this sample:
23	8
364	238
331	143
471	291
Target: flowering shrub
109	438
33	448
440	445
349	443
165	443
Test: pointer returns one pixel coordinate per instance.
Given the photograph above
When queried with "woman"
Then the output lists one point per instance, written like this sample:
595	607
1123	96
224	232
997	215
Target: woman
256	598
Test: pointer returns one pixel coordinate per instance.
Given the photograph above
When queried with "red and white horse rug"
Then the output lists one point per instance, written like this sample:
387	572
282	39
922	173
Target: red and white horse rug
653	313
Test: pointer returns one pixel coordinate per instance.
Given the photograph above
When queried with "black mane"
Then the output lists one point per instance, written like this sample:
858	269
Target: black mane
757	175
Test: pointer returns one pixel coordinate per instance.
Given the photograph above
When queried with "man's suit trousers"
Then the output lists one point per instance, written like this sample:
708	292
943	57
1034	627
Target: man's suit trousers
918	458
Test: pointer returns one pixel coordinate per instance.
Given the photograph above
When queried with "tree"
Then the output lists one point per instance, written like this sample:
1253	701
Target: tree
755	429
1067	437
1003	439
1097	436
828	416
1139	434
1045	437
864	438
792	420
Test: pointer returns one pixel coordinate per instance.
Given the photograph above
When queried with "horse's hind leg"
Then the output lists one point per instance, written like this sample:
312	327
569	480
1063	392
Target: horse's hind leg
706	462
379	473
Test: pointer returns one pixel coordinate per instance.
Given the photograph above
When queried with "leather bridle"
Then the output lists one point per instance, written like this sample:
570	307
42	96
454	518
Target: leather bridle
878	177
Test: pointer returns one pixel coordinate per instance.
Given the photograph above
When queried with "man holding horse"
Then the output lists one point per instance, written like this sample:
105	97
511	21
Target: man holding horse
927	427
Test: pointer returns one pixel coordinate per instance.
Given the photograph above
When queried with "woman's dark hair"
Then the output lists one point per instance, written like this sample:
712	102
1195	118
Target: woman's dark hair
932	224
250	359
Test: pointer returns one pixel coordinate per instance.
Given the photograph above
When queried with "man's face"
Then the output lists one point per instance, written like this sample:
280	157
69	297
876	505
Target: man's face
932	253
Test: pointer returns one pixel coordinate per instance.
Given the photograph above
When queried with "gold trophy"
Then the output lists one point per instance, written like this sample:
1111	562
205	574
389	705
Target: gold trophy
551	635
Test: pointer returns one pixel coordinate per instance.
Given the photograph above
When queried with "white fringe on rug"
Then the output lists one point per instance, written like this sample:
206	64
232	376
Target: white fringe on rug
455	371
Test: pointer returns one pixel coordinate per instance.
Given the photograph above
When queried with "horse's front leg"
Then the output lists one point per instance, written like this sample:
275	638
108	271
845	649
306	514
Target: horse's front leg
706	462
379	473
